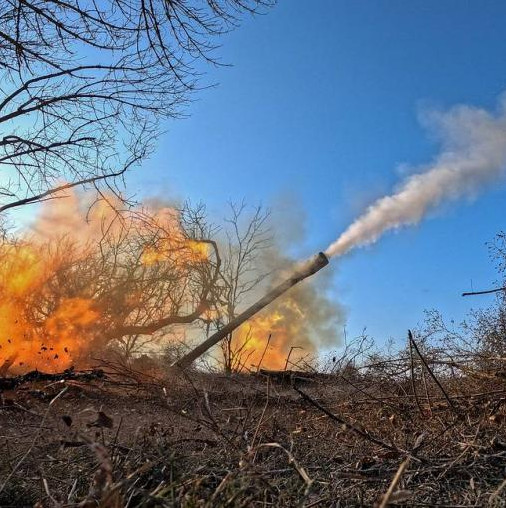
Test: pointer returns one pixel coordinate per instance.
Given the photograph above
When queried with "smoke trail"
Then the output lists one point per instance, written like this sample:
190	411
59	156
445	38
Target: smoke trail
473	154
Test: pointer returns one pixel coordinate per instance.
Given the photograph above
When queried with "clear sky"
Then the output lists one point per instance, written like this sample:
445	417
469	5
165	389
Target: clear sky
322	103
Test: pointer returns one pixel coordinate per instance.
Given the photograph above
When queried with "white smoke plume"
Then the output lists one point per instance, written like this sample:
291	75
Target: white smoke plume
473	155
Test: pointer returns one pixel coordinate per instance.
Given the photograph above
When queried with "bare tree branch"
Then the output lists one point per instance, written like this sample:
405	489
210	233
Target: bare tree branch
85	84
487	292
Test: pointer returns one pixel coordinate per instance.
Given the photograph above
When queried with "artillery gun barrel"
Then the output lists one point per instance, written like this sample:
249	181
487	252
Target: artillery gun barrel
305	270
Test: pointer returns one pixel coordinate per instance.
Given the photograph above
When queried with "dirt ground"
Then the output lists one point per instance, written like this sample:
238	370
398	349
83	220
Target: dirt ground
211	440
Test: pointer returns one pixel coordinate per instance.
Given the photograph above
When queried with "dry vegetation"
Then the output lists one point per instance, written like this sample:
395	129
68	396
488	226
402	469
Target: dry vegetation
428	422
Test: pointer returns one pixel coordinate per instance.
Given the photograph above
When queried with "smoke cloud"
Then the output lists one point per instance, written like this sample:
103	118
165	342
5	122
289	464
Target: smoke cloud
473	155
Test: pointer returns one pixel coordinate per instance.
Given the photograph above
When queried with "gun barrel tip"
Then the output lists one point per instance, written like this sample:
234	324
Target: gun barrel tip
324	258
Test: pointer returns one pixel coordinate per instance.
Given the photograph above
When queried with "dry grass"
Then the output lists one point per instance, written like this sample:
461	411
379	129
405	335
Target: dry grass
210	440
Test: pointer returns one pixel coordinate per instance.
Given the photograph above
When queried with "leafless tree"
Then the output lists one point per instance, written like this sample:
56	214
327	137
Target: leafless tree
84	85
178	288
231	275
247	236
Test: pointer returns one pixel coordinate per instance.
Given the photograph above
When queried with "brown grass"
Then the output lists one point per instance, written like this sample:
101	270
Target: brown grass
353	438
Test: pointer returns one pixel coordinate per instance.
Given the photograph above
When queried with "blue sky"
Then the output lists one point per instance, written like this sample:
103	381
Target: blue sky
322	103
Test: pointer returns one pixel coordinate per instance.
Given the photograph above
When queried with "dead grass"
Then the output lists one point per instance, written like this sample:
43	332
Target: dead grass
210	440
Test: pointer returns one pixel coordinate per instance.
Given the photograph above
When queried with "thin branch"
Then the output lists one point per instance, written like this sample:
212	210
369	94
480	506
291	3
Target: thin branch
487	292
51	192
348	425
429	370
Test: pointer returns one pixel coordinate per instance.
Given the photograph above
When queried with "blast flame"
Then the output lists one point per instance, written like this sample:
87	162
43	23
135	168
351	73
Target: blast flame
67	288
284	324
49	325
177	250
50	344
